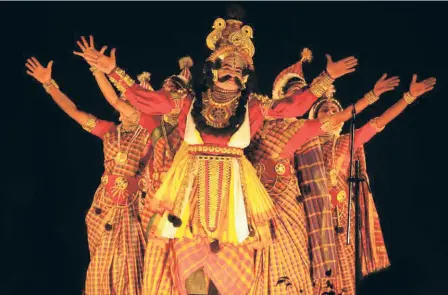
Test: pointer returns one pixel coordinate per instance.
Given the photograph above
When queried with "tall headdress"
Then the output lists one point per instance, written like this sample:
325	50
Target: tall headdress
230	39
144	79
294	71
185	63
328	96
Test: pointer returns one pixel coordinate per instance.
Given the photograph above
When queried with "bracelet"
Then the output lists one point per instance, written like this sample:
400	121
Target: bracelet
49	85
409	98
371	97
374	123
93	69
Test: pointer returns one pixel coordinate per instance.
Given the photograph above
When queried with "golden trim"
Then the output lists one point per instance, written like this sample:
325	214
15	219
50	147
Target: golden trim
216	150
47	86
321	84
409	98
90	123
371	97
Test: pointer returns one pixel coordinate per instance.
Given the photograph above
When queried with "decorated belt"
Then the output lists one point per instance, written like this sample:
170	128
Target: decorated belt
119	187
215	150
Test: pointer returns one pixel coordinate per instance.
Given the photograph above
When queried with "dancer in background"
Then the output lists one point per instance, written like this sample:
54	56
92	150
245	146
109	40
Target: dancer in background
115	236
336	154
284	267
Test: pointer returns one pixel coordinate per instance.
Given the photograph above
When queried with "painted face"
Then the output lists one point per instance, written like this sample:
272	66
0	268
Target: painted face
327	109
230	75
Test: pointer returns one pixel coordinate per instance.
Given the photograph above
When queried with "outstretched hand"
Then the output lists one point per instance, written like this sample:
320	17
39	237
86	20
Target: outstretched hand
419	88
342	67
385	84
89	48
96	58
37	71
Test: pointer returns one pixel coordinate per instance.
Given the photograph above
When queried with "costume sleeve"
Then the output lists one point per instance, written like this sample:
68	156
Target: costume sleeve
98	127
301	101
149	122
366	132
310	129
147	101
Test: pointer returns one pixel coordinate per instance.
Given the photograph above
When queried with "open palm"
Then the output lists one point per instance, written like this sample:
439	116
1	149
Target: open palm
37	71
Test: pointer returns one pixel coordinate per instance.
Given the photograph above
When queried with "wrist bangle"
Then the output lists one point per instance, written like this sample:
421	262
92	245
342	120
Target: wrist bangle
93	69
409	98
371	97
48	85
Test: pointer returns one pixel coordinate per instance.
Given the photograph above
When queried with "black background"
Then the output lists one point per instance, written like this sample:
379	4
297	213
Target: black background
52	167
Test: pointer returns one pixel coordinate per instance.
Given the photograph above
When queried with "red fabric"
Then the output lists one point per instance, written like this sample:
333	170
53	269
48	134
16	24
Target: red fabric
149	102
310	129
292	106
102	127
364	134
149	122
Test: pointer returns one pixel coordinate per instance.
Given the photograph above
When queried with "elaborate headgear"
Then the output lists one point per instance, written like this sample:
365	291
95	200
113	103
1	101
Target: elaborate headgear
230	39
185	63
144	78
328	97
294	71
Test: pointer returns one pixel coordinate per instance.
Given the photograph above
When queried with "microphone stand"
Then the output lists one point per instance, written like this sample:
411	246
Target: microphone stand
353	196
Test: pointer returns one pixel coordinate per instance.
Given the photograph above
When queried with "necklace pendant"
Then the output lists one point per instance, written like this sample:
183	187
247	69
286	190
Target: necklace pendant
334	177
121	158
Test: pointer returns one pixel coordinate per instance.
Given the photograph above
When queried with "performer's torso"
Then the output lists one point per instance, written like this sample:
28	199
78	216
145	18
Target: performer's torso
133	146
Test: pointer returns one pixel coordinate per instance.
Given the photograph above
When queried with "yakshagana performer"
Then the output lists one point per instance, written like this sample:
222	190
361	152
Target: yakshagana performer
284	267
336	154
214	207
115	236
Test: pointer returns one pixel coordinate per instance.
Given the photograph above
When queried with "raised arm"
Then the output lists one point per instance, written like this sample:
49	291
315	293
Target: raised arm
416	90
381	86
148	102
296	104
105	86
43	75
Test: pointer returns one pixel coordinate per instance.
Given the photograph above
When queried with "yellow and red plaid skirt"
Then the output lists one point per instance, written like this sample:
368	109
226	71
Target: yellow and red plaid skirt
116	240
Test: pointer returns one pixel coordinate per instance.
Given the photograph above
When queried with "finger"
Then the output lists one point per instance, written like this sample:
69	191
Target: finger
351	64
430	84
92	43
36	61
78	53
30	73
81	46
329	59
429	80
50	64
383	77
84	42
31	62
348	59
112	53
414	78
388	89
350	71
30	67
103	49
392	78
429	89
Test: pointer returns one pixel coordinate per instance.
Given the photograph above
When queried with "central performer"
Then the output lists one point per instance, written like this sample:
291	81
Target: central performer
213	206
